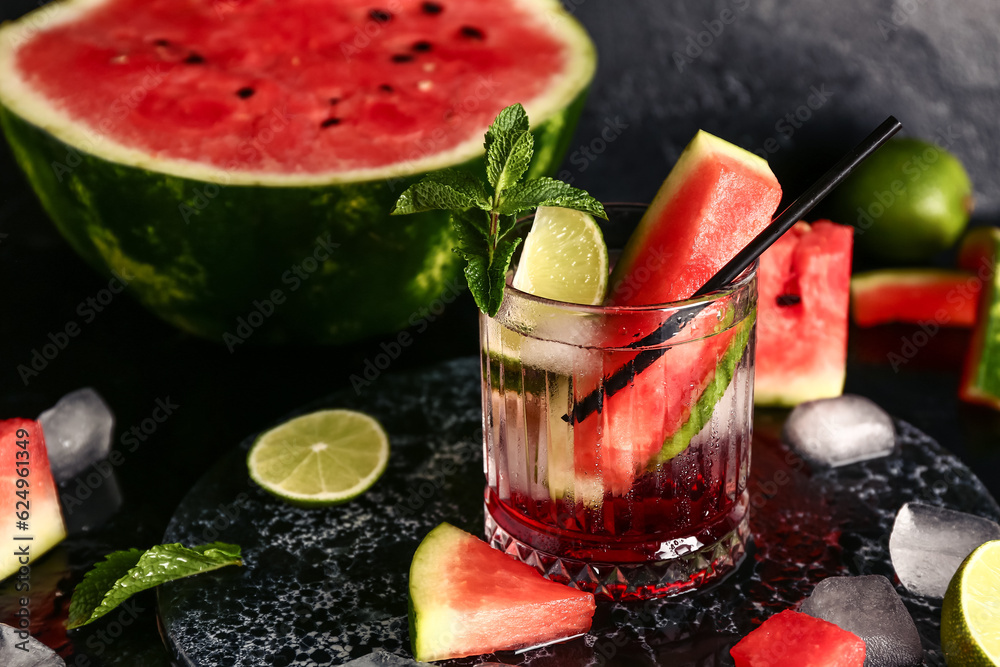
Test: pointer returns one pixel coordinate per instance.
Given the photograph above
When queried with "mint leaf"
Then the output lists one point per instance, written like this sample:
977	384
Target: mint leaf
487	279
124	573
548	192
450	189
484	222
505	139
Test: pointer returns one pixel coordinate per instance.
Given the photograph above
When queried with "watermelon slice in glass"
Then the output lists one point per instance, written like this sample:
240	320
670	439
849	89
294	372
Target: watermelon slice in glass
803	296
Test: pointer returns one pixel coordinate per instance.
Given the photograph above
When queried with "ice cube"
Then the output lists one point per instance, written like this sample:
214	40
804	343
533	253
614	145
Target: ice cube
870	608
928	544
839	431
36	655
77	432
382	658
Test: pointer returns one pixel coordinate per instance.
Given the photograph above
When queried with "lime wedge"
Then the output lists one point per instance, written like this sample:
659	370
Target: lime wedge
564	258
970	618
322	458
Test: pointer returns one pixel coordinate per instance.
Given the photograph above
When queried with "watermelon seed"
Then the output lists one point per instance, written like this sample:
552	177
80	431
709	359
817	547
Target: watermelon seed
245	92
161	42
432	8
422	47
194	59
385	88
401	58
329	122
472	33
380	16
789	300
334	100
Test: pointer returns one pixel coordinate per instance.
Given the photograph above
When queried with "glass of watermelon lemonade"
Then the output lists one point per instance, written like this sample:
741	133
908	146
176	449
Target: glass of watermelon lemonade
630	485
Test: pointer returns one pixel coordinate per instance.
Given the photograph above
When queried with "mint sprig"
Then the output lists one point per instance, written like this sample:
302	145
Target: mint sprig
484	214
122	574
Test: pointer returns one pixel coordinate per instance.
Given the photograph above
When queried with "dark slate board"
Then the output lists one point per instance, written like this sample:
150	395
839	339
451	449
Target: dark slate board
324	586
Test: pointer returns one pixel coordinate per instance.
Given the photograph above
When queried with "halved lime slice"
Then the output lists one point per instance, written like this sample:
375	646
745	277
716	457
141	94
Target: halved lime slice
970	618
322	458
564	258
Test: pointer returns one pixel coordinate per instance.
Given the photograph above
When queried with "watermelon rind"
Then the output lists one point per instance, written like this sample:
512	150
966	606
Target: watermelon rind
226	255
981	375
704	408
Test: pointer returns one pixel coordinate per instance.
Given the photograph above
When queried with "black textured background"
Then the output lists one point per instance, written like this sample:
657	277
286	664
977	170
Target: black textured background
934	64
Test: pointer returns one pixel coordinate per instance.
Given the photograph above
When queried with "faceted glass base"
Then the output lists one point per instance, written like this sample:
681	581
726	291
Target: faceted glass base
631	581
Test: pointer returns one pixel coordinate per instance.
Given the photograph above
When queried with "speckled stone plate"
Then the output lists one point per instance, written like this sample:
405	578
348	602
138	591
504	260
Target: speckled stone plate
321	587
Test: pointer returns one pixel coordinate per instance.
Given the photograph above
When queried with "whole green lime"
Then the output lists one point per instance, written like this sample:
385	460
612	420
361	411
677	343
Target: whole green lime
908	201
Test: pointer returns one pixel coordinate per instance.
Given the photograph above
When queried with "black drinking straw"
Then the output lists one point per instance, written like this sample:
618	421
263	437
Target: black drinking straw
737	265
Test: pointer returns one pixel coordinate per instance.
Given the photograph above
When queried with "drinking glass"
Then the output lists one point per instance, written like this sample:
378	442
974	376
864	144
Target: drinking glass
617	439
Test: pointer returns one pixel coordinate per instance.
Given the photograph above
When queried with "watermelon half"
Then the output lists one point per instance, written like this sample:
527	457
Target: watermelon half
803	297
467	598
235	161
915	296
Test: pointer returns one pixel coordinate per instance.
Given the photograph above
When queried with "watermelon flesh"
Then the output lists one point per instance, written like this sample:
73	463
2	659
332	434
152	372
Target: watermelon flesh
36	494
293	87
915	296
803	297
793	639
714	201
467	598
980	383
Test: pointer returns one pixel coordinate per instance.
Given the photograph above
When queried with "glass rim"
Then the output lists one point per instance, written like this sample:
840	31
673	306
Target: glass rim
732	288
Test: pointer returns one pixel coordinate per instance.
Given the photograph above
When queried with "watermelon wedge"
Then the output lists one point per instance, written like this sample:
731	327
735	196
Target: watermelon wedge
793	639
235	161
915	296
33	522
803	296
467	598
980	384
715	200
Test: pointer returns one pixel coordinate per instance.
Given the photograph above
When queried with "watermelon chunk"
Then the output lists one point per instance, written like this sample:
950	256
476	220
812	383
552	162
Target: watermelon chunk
803	297
35	493
981	375
467	598
793	639
917	296
715	200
